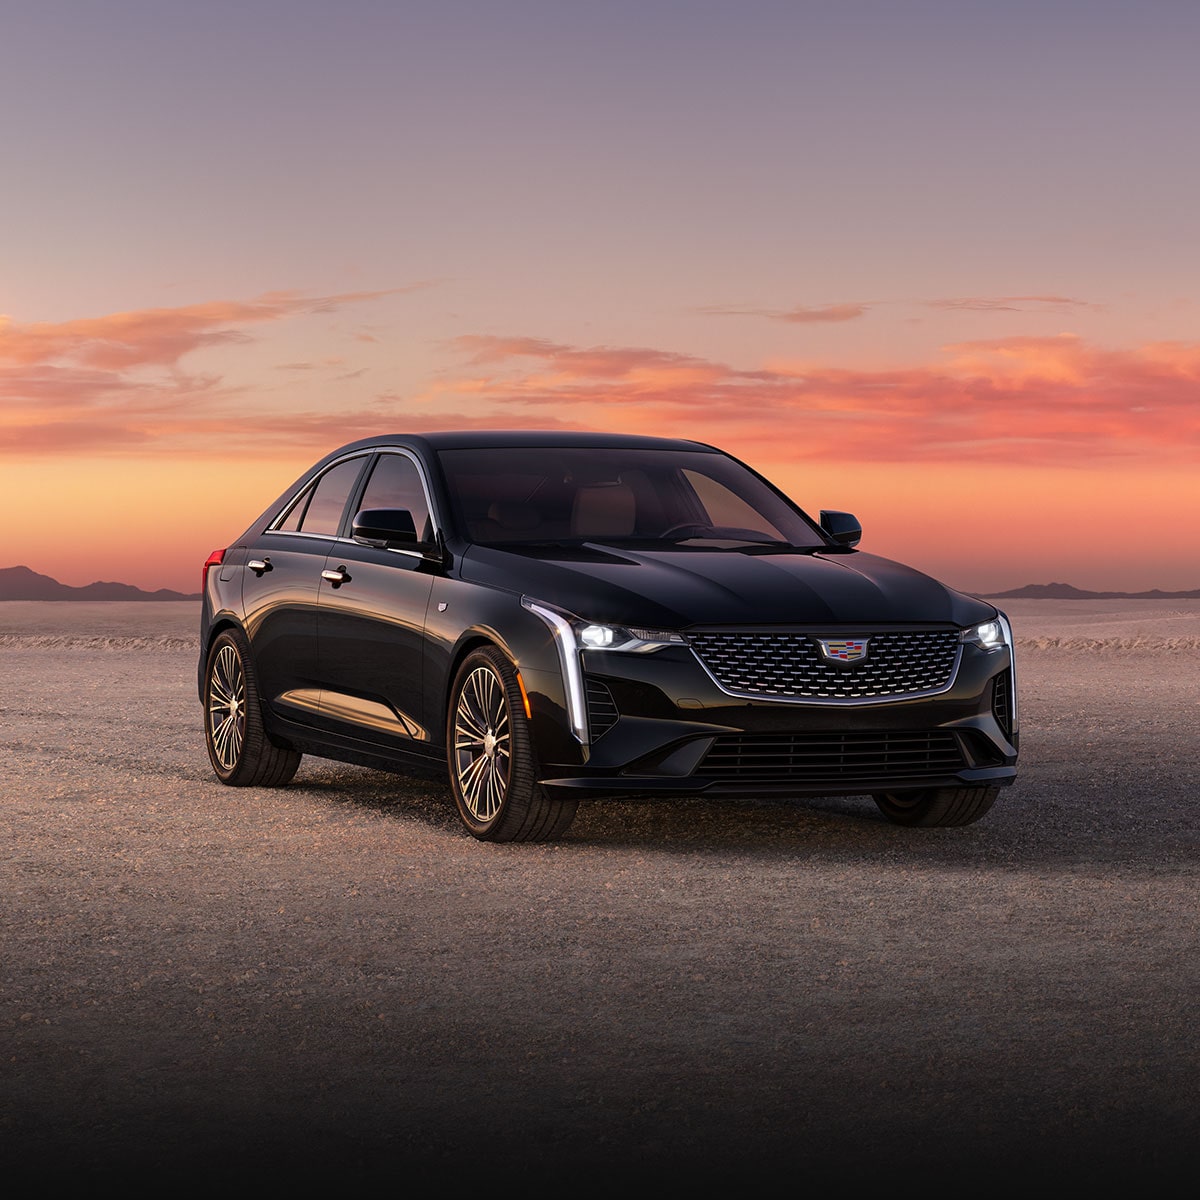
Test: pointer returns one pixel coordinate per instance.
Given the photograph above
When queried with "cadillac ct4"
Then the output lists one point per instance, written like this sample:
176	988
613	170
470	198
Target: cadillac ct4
544	617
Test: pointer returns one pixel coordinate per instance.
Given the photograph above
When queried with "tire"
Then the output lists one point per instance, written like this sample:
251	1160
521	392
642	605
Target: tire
241	753
936	806
493	771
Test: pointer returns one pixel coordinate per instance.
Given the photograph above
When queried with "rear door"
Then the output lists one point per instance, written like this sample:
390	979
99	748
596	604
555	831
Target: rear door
281	581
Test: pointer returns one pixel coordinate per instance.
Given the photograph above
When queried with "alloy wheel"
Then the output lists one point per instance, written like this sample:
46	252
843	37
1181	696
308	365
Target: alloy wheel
482	743
227	707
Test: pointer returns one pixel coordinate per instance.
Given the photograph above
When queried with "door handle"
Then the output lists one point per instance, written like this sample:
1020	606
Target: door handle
259	565
340	576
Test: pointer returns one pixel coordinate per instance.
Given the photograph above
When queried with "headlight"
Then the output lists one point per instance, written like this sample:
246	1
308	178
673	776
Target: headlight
573	635
620	637
990	635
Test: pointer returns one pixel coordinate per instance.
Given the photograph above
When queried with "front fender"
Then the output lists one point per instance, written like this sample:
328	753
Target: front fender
464	615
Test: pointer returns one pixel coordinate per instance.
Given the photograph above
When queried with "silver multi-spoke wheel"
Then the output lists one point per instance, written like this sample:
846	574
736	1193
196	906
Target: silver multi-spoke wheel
227	707
238	746
482	743
489	750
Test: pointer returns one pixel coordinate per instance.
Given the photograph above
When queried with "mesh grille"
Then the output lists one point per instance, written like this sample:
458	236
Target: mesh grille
789	665
832	757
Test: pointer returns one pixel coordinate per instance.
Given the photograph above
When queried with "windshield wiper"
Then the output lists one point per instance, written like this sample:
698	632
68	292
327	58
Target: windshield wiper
755	547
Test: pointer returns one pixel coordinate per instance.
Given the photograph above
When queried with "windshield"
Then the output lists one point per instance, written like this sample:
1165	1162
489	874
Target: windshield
516	495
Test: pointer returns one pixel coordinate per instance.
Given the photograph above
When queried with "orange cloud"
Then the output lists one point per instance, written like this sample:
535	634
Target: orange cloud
993	304
116	384
1053	400
116	381
572	361
796	316
160	336
804	315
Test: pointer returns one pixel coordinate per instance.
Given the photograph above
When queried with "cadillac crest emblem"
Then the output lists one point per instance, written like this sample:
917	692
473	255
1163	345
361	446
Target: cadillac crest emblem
843	650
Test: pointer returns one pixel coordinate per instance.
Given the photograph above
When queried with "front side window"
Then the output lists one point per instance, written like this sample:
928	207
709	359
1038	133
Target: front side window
396	483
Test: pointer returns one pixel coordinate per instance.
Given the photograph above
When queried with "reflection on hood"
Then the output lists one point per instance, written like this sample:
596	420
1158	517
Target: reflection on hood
678	587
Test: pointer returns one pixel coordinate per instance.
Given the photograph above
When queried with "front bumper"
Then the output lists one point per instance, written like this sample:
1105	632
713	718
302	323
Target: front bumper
659	724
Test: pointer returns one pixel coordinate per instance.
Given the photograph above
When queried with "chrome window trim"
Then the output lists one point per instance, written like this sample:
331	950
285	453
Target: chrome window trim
318	537
329	537
367	452
434	516
286	511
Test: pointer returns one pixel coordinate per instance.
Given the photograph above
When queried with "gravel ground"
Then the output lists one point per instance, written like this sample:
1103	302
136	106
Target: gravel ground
331	981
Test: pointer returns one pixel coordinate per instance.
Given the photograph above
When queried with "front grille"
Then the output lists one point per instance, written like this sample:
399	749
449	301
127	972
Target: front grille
832	757
602	709
788	665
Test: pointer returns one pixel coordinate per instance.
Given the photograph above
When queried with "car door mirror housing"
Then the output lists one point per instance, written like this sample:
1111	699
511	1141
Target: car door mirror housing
390	527
842	527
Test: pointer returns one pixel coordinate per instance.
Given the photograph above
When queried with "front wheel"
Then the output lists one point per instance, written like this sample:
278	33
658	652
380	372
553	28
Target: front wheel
239	749
936	806
489	751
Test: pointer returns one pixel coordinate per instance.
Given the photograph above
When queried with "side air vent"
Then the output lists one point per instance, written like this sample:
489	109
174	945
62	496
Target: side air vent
1002	708
602	709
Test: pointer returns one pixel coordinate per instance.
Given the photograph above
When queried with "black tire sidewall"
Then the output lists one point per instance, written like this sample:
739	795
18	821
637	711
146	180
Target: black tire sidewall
261	762
936	807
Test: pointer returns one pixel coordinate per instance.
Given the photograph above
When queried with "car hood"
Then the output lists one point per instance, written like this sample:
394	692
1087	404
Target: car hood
680	588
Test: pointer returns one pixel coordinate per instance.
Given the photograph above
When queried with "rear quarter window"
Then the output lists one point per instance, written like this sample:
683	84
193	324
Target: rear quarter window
319	509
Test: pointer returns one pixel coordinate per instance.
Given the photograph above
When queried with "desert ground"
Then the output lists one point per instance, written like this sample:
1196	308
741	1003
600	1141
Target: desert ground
331	982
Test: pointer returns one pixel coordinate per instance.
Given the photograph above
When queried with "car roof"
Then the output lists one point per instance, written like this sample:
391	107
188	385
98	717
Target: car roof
475	439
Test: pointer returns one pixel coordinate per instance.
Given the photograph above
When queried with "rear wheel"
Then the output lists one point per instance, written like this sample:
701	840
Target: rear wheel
936	806
239	749
489	751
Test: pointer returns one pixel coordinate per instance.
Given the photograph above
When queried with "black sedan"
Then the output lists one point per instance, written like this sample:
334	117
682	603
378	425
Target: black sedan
549	616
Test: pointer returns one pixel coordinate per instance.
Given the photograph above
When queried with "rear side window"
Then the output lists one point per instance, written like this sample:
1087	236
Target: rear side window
320	508
396	483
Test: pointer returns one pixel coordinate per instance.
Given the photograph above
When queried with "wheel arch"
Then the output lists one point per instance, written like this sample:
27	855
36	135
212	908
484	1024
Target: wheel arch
498	802
471	641
219	626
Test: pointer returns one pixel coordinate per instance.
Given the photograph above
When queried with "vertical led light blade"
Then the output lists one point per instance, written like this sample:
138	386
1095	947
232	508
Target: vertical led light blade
568	656
1012	658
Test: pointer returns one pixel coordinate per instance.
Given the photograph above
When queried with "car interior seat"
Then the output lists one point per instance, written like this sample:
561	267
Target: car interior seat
604	510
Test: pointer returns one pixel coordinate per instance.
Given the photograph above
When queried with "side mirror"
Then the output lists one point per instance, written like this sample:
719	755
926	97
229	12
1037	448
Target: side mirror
842	527
389	527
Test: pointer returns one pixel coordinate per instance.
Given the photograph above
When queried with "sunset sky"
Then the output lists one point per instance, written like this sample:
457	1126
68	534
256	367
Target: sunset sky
934	263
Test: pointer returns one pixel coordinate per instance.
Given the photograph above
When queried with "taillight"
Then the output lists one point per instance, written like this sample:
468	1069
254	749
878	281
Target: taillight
215	559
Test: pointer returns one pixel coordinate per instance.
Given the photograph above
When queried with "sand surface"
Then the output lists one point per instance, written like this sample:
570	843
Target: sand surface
331	982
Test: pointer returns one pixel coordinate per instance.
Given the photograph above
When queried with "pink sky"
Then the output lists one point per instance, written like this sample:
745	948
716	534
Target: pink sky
940	273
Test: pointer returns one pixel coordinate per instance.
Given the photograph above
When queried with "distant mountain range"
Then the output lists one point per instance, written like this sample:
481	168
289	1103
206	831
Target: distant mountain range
20	583
1064	591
